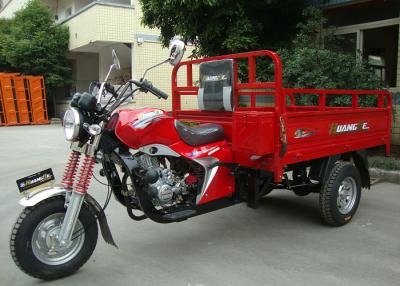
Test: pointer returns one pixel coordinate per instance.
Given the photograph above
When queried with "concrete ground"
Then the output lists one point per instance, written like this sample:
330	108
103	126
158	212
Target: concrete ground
284	242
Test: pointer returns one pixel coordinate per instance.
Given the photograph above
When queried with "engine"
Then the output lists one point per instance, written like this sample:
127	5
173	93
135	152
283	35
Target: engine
168	187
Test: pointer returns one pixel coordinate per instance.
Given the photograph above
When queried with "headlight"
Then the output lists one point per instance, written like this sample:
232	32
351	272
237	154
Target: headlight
72	122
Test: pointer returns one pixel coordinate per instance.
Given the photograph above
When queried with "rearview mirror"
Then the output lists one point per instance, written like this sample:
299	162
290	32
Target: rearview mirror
176	51
115	59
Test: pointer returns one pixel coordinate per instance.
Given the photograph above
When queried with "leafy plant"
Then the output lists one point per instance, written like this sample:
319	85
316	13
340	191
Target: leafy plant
224	26
312	55
31	43
384	163
314	59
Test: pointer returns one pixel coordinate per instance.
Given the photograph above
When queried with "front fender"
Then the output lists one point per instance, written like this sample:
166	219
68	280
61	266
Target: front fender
32	199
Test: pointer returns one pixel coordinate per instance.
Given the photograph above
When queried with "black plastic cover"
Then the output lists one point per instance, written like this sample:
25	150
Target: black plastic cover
214	76
75	99
87	102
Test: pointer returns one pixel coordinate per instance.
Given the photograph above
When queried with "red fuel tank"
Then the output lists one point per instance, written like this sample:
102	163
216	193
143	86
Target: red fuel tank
141	127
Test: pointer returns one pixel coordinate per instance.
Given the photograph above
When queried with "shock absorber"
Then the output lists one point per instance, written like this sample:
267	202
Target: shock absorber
85	174
70	171
77	196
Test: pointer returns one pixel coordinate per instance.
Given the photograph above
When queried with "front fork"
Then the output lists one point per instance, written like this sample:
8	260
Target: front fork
75	196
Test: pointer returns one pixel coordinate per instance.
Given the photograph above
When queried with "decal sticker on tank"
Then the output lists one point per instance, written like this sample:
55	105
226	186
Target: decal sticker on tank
337	128
146	118
146	115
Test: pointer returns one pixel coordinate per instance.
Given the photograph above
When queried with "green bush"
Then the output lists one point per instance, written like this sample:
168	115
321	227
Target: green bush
31	43
384	163
314	60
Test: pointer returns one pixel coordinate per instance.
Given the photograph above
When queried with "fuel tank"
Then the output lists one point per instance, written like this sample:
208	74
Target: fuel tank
141	127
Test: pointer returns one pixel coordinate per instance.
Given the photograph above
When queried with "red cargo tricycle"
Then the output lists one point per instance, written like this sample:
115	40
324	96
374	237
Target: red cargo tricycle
245	138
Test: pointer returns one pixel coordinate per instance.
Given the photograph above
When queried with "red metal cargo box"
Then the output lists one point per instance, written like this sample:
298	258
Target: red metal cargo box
253	132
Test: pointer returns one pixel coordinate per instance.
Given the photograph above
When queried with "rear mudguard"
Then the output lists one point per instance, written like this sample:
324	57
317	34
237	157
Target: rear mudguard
35	198
321	168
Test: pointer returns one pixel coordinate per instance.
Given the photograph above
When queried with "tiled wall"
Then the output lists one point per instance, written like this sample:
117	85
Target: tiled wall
148	54
398	62
396	119
102	23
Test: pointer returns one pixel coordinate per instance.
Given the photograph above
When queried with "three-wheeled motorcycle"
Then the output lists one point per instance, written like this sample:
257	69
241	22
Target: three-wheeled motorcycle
246	138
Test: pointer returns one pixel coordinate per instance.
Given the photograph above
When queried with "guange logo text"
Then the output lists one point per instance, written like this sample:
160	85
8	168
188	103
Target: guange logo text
346	128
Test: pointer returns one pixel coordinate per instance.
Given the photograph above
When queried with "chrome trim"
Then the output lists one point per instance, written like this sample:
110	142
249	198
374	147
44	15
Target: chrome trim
70	218
208	176
35	198
77	124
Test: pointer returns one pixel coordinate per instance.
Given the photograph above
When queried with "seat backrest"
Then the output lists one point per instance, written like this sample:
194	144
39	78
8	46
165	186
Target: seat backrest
216	86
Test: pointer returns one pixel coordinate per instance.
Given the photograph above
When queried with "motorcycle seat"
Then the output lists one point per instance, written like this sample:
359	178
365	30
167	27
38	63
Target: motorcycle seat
201	134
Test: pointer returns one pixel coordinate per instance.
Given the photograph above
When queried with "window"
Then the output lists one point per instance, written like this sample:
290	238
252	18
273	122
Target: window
68	12
377	43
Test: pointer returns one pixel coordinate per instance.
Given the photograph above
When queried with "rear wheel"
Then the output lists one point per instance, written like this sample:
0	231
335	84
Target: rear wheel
34	246
340	196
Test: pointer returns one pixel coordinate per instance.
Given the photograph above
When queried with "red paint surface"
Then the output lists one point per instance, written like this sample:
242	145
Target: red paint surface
255	130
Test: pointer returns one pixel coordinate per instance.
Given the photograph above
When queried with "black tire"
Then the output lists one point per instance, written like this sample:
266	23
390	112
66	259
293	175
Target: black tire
329	209
22	233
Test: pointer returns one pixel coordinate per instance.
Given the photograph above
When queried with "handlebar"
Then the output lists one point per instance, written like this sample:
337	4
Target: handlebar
146	86
110	88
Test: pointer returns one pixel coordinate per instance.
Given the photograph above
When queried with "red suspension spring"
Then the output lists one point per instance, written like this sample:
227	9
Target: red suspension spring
85	174
70	170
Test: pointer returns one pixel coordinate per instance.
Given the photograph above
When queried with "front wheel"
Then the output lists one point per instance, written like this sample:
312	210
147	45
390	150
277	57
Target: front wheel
34	245
340	195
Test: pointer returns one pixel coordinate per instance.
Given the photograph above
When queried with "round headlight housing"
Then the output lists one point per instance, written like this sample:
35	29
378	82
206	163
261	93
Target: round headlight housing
72	122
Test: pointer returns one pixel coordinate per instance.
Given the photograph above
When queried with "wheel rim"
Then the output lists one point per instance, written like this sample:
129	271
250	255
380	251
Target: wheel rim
45	244
347	194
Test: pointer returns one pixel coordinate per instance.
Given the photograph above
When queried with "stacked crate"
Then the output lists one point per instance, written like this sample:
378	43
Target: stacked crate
22	100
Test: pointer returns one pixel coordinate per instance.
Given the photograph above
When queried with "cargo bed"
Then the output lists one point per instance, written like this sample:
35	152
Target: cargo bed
268	129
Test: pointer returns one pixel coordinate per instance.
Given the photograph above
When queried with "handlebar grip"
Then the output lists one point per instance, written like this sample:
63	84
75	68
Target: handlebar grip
110	88
149	86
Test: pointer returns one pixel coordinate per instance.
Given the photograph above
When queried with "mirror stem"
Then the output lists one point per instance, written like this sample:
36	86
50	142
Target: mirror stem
103	84
152	67
109	72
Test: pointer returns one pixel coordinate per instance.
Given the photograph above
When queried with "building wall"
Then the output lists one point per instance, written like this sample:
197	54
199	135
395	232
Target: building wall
86	69
106	23
105	56
81	3
396	119
151	53
398	63
12	7
62	7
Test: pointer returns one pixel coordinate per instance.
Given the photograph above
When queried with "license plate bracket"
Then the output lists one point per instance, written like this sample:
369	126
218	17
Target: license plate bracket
35	180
